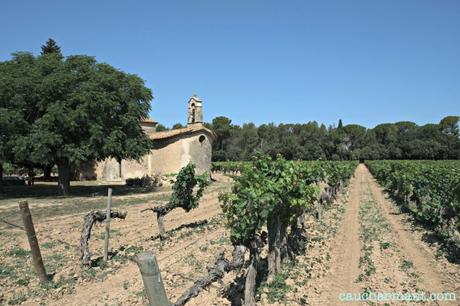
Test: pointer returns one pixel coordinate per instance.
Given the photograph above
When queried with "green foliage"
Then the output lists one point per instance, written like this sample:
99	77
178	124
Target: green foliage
429	189
266	186
311	141
177	126
69	111
332	172
18	298
160	128
183	189
227	167
50	47
145	181
10	169
277	290
18	252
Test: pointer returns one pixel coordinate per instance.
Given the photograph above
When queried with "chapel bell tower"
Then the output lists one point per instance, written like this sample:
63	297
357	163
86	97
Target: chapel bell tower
195	111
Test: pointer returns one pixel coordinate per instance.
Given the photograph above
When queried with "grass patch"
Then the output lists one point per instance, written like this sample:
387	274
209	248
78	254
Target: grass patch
277	290
384	245
22	281
88	273
54	261
373	225
7	271
406	265
192	261
141	294
48	245
223	240
17	299
18	252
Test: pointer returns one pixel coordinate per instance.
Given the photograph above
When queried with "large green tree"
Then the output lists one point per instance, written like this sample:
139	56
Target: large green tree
50	47
222	126
69	111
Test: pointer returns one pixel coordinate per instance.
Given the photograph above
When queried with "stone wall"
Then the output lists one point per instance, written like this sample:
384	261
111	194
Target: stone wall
170	155
167	157
109	169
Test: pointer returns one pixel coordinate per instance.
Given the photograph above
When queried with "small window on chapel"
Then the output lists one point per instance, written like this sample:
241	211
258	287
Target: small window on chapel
201	138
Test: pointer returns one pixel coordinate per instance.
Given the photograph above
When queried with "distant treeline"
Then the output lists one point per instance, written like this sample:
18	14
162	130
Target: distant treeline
307	141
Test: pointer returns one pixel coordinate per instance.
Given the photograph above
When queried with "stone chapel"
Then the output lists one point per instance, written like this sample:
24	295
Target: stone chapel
171	150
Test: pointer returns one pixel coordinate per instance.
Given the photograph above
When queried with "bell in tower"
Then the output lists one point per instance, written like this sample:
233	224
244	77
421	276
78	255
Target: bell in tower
195	111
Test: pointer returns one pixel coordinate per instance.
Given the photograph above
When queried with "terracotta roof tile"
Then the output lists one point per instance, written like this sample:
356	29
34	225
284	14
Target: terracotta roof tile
177	132
148	120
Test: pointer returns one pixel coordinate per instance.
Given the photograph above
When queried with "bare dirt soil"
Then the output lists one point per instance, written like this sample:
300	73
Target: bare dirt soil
378	249
362	243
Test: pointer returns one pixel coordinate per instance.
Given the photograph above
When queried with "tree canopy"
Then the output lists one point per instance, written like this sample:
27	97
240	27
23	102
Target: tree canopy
69	111
310	141
51	47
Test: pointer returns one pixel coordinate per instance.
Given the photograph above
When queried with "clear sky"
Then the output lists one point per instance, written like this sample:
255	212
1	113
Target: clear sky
365	62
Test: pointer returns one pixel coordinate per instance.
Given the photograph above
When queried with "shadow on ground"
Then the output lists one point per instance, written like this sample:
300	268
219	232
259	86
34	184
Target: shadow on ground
47	190
192	225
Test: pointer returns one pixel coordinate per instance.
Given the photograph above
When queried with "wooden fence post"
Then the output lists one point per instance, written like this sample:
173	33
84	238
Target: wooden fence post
151	276
31	236
107	225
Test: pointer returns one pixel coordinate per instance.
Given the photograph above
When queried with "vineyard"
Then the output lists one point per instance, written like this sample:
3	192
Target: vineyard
430	190
263	232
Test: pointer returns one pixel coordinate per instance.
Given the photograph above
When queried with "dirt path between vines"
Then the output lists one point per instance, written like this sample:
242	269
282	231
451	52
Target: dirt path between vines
345	250
436	275
393	258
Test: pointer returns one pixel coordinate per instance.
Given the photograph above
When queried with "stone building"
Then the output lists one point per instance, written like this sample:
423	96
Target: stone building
171	150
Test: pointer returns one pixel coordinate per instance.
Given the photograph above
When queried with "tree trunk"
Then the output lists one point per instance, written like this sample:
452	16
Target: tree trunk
31	176
47	171
251	277
64	176
274	246
1	176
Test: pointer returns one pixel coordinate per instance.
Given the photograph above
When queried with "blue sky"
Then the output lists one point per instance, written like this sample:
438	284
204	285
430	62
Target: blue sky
365	62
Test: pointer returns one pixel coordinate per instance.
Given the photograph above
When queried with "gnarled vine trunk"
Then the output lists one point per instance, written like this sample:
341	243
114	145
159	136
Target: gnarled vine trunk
161	212
251	276
296	241
90	219
215	273
276	244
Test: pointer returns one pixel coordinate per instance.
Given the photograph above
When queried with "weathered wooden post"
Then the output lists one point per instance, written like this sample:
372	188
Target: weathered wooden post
31	236
151	276
107	225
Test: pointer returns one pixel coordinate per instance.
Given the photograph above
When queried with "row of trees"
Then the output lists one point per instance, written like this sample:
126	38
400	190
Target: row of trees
310	141
69	110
